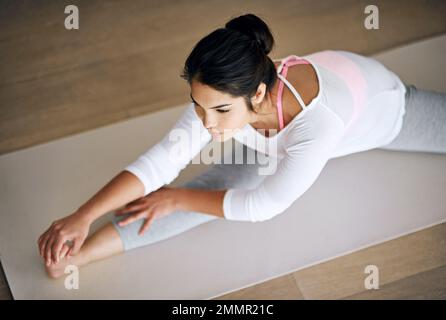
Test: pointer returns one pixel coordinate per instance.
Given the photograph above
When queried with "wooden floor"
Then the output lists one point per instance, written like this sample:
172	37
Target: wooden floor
125	61
126	57
5	292
410	267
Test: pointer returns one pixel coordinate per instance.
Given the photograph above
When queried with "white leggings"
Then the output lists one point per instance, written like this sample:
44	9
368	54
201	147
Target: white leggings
423	130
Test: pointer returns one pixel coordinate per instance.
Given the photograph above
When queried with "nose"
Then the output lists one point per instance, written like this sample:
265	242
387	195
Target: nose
208	122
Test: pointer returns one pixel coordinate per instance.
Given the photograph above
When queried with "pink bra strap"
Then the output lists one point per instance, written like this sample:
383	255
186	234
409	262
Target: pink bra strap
288	62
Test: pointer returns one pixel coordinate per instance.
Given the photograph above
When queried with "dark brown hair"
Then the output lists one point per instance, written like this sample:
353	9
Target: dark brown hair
234	59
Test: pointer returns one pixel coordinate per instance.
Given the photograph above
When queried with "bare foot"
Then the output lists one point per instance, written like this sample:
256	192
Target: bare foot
56	270
101	244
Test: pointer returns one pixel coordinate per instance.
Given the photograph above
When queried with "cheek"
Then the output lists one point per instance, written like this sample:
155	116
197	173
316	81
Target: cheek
200	113
229	120
234	120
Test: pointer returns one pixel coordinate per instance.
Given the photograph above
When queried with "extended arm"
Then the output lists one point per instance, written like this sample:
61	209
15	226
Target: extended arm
123	188
308	146
156	167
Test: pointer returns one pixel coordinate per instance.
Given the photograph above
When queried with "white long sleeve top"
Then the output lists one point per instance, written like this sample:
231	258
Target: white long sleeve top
359	106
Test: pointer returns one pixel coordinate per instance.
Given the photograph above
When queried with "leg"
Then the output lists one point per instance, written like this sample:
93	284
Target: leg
112	239
103	243
424	123
219	176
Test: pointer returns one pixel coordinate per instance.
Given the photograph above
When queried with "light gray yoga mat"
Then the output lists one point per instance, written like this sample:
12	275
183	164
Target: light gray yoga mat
359	200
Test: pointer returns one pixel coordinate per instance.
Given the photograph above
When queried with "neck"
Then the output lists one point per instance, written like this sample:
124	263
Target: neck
267	117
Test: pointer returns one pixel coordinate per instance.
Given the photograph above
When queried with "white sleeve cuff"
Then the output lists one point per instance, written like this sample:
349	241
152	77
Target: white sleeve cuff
234	207
140	175
227	205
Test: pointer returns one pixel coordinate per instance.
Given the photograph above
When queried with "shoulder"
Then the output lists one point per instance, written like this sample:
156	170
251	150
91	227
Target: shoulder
304	79
318	127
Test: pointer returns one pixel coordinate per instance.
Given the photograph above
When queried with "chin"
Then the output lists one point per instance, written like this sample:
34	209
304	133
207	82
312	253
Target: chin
222	137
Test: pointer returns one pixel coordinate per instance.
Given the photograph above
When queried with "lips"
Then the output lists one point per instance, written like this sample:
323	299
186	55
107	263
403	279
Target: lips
215	135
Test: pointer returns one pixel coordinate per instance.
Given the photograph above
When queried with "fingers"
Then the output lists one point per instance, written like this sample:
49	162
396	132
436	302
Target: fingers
131	218
42	243
47	250
77	245
57	246
146	224
64	251
70	252
130	208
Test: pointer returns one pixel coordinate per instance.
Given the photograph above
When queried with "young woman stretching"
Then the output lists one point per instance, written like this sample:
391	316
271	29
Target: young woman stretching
312	108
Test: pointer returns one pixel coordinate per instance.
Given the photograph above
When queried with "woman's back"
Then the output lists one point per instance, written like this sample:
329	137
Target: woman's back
368	97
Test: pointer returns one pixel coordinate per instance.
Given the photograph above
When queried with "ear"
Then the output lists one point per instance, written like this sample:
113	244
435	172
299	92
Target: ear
259	95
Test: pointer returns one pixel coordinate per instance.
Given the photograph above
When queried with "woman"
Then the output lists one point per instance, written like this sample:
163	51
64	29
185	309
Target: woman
311	109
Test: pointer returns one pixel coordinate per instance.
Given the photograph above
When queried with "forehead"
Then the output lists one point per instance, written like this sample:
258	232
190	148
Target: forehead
208	97
203	91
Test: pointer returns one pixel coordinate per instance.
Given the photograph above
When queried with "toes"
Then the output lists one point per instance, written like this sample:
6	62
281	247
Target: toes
53	272
53	275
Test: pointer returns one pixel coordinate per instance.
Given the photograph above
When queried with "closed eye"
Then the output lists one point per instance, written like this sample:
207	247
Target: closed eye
218	110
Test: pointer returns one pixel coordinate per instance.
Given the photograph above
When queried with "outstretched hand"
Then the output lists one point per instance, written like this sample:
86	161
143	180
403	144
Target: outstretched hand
155	205
64	237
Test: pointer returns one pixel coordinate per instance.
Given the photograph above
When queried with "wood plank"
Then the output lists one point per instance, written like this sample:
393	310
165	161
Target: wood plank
396	259
5	293
126	58
428	285
281	288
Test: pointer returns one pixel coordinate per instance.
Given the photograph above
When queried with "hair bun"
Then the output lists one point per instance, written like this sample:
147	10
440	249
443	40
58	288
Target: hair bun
255	28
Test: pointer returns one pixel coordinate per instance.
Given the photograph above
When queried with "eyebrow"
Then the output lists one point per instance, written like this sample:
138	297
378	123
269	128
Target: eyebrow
222	105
